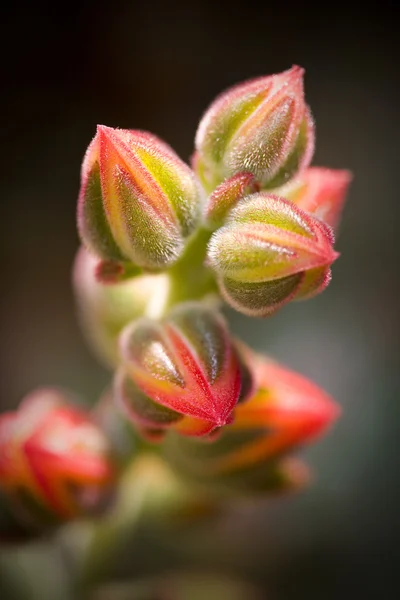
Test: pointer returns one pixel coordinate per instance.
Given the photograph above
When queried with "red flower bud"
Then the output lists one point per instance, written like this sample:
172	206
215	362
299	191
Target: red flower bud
321	192
138	201
254	454
182	373
55	462
227	195
292	409
262	126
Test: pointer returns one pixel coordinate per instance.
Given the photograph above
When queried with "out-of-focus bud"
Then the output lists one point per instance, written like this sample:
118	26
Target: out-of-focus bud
270	252
138	201
183	373
321	192
226	196
105	309
262	126
291	408
55	463
286	411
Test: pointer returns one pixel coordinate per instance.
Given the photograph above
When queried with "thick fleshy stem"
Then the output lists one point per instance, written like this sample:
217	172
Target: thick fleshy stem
189	278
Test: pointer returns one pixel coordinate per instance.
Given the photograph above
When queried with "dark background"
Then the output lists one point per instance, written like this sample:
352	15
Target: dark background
157	67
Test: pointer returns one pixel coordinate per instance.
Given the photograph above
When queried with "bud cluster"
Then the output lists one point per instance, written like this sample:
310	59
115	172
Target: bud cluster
163	244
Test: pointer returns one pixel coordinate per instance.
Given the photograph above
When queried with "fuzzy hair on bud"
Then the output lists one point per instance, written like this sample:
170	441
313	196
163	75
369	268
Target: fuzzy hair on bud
226	196
138	201
269	252
183	372
262	126
55	462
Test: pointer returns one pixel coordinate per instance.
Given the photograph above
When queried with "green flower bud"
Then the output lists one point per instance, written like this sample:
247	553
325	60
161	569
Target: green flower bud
262	126
138	201
269	252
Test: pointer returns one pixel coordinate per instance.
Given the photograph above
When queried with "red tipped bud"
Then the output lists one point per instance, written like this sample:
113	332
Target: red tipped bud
138	201
262	126
270	252
290	407
321	192
182	373
285	412
227	195
55	462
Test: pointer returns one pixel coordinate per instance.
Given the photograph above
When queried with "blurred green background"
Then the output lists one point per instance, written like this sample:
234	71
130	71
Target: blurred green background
68	66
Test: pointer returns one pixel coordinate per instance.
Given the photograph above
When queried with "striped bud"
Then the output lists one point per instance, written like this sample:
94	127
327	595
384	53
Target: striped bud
182	373
270	252
227	195
253	454
55	462
138	201
262	126
104	310
321	192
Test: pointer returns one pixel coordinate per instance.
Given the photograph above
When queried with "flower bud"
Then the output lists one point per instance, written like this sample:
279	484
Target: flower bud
321	192
262	126
104	310
138	201
227	195
285	412
55	462
182	373
289	407
270	252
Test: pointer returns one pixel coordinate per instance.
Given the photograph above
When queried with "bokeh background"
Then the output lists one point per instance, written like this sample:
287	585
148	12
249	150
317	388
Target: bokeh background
157	67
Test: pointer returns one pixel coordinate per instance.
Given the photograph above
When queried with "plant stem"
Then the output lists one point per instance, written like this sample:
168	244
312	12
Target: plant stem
190	278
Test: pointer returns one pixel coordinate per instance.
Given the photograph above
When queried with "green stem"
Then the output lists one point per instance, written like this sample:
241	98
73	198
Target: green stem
190	278
151	496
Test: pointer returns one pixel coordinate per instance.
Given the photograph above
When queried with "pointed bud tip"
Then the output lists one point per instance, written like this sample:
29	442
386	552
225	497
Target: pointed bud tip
223	419
104	129
104	132
293	76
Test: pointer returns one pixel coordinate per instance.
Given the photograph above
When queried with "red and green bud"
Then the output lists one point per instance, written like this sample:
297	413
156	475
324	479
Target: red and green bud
55	463
262	126
321	192
270	252
254	452
104	310
182	373
138	201
226	196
